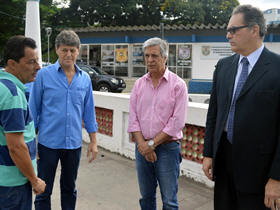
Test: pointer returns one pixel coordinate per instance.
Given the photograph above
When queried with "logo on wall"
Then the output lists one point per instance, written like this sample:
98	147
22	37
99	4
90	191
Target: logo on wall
121	55
184	52
205	50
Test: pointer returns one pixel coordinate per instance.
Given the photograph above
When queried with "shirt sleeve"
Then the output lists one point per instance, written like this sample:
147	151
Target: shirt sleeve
89	111
12	119
176	122
133	123
35	98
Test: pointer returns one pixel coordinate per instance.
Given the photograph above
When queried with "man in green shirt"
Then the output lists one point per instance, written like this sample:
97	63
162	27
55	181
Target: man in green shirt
17	133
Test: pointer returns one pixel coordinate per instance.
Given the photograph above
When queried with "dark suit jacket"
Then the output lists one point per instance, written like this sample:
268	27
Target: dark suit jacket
256	137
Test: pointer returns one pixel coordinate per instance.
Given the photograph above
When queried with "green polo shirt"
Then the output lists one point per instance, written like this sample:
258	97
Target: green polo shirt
14	117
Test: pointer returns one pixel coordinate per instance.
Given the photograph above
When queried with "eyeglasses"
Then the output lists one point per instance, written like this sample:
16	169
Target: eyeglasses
234	29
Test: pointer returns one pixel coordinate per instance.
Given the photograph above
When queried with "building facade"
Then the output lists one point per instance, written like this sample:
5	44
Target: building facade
272	16
193	49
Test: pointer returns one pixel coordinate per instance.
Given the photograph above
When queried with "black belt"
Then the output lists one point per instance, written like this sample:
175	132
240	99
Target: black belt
170	141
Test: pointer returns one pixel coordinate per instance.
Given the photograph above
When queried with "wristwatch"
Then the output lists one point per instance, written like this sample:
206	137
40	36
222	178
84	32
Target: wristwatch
151	144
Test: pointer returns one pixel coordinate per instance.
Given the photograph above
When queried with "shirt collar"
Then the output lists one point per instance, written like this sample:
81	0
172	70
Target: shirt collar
254	56
58	67
165	75
18	83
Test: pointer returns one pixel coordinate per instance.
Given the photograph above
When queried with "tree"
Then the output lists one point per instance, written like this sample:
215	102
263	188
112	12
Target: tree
48	18
111	13
12	19
146	12
218	11
98	12
183	12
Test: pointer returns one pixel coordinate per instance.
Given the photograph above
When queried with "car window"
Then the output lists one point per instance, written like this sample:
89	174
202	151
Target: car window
88	70
98	70
104	72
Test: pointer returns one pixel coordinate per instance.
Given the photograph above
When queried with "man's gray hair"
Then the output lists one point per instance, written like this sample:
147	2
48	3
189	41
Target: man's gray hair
251	16
69	38
157	41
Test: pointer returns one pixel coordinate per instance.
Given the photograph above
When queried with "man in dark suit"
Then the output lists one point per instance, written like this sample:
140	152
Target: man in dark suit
242	142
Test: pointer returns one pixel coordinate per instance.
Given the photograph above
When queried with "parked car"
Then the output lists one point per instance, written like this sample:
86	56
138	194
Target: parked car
103	82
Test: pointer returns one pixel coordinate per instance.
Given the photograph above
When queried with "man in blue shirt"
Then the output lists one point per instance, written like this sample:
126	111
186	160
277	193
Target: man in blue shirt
60	100
17	133
28	89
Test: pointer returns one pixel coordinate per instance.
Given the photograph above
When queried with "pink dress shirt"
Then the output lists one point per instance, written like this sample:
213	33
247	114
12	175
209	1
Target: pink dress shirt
163	108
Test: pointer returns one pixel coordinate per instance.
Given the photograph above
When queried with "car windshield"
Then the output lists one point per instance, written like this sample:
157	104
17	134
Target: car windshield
88	69
100	71
103	72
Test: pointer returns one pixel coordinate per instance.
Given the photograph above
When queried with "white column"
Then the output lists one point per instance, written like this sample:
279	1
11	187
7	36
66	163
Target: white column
32	24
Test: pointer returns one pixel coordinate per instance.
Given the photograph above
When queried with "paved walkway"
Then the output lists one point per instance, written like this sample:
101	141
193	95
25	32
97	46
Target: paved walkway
110	183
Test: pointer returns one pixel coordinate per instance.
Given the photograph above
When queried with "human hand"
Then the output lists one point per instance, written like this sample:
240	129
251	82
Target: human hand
92	151
151	157
144	148
207	167
277	203
272	194
38	186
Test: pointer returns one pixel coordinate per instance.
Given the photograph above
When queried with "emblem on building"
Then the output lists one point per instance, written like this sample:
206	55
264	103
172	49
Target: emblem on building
205	50
121	55
184	52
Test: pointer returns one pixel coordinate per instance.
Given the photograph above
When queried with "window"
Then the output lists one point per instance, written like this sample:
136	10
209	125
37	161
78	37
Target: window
121	60
83	55
107	58
138	62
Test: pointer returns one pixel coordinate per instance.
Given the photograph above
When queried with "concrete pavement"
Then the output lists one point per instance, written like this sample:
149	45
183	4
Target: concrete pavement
110	183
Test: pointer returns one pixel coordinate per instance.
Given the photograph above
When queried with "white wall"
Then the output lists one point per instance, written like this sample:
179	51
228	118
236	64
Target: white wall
120	141
203	67
273	46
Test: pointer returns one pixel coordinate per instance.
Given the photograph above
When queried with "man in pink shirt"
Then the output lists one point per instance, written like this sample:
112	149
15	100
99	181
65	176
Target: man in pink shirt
158	105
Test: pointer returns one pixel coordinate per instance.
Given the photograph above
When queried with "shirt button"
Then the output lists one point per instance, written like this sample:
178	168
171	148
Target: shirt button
68	114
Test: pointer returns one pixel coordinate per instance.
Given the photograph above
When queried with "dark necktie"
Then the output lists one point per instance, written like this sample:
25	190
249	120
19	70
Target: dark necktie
241	81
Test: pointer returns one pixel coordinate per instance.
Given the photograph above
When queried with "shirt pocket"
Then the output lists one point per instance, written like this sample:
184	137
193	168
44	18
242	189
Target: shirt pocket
54	95
78	96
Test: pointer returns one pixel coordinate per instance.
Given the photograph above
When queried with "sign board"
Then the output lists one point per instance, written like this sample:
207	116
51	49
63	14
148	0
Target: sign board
215	52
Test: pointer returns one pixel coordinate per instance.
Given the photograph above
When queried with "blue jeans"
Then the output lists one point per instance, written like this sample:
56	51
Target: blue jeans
16	198
165	172
47	164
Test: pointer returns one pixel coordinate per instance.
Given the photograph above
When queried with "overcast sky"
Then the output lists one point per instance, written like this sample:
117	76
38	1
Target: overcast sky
262	4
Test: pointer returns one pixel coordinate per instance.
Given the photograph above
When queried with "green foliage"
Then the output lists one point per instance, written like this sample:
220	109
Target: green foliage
146	12
183	12
218	11
83	13
12	22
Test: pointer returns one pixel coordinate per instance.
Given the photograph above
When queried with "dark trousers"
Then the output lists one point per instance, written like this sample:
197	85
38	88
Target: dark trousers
16	198
47	164
226	196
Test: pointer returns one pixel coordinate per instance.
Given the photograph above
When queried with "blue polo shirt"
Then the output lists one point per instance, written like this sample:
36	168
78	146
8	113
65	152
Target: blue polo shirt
14	117
59	108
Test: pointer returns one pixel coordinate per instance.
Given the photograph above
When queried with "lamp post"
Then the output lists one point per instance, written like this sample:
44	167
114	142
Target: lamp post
48	32
161	30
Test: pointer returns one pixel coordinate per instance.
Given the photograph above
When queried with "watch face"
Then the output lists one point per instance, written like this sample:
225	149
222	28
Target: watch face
151	143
